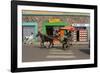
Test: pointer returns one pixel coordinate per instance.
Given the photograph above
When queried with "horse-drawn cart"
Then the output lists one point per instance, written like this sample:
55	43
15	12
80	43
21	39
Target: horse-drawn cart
63	36
66	36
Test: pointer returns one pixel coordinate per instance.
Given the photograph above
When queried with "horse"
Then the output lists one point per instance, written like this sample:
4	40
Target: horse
45	38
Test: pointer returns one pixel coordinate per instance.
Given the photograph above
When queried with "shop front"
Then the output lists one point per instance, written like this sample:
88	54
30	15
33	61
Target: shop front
29	28
82	35
51	26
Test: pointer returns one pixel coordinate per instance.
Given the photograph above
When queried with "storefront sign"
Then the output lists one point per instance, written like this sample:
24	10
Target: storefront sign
54	20
80	25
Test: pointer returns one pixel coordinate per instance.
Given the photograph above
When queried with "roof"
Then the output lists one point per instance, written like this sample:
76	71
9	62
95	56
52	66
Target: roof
55	24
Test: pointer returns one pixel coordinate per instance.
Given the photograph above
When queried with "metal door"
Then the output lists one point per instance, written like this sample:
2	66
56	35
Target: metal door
27	31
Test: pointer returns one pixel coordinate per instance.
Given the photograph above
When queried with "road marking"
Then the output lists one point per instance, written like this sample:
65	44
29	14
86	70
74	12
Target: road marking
56	50
70	52
61	53
60	50
59	56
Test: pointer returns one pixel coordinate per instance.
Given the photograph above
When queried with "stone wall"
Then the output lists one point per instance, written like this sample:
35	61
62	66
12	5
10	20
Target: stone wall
70	19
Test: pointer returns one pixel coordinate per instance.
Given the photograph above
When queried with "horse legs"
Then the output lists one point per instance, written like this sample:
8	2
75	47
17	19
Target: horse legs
51	44
42	44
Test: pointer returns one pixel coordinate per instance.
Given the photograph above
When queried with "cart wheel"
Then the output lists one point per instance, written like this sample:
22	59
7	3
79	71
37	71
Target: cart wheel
65	46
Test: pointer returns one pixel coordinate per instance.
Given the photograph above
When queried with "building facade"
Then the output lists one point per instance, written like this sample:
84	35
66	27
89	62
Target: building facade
48	23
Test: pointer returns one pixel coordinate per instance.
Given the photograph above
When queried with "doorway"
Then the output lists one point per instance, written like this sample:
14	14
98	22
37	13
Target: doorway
49	30
77	33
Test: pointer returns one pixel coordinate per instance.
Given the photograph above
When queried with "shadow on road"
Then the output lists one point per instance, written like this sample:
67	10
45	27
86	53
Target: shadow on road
86	51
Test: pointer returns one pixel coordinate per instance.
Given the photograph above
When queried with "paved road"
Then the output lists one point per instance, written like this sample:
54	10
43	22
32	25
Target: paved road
33	53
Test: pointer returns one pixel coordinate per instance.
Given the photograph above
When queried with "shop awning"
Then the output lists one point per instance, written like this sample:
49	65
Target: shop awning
70	28
55	24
